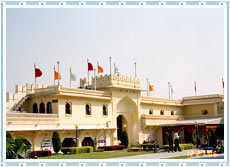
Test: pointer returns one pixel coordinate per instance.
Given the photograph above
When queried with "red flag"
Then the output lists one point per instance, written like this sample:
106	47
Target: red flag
90	67
38	72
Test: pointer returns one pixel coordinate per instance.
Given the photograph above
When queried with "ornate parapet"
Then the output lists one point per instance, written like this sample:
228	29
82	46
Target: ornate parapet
104	81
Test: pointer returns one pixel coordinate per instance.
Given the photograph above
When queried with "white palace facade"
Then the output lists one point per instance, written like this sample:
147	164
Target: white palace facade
99	116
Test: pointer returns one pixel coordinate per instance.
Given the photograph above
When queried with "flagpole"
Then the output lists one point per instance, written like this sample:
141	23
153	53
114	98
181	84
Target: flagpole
223	85
88	71
135	69
195	87
94	79
114	68
34	76
54	75
70	77
58	73
169	89
97	69
110	65
147	87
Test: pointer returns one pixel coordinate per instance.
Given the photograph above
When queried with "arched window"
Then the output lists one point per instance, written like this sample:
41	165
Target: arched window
67	108
49	108
162	112
150	112
87	109
35	108
172	112
42	108
104	109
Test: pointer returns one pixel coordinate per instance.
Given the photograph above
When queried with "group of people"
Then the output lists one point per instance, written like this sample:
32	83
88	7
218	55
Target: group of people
173	138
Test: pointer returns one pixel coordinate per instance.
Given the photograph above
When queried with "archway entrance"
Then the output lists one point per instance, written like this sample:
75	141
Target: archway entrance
121	126
88	141
127	118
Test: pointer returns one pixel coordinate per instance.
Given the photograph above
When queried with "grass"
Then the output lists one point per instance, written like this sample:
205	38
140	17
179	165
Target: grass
190	156
95	155
179	157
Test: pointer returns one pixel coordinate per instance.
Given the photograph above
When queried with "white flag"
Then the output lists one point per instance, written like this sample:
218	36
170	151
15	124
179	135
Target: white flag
116	71
72	76
172	91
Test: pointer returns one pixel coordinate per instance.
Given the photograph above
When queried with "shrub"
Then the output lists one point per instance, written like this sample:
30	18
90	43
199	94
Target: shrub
125	139
40	153
77	150
182	146
56	142
110	148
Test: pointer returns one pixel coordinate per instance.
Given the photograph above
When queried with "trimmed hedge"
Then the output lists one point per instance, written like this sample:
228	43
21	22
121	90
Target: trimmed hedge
110	148
182	146
77	150
40	153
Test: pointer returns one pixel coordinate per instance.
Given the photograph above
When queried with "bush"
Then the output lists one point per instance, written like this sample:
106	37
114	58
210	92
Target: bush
40	153
77	150
110	148
125	139
182	146
56	142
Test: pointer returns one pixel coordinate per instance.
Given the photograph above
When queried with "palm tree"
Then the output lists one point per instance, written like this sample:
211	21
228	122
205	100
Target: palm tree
16	148
10	147
21	148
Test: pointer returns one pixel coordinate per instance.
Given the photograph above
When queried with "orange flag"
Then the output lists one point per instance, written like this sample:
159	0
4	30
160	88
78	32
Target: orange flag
100	69
151	88
57	75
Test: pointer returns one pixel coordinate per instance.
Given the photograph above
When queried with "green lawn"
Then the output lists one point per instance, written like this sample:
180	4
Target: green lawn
95	155
186	157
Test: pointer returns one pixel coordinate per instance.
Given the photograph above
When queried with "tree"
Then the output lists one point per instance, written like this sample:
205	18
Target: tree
56	142
125	139
16	148
10	147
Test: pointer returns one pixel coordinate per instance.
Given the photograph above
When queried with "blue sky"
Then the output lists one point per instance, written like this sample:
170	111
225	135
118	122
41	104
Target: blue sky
176	45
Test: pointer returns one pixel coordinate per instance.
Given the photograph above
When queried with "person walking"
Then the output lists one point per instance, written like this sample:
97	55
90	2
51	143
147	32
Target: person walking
170	140
176	141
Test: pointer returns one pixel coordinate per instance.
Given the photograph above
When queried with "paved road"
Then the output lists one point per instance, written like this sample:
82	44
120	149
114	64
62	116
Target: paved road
165	155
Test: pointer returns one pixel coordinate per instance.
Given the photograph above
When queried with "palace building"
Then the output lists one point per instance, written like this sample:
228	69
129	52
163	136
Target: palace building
98	111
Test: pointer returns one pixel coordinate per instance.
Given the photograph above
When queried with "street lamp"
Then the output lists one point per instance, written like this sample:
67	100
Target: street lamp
76	126
196	124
